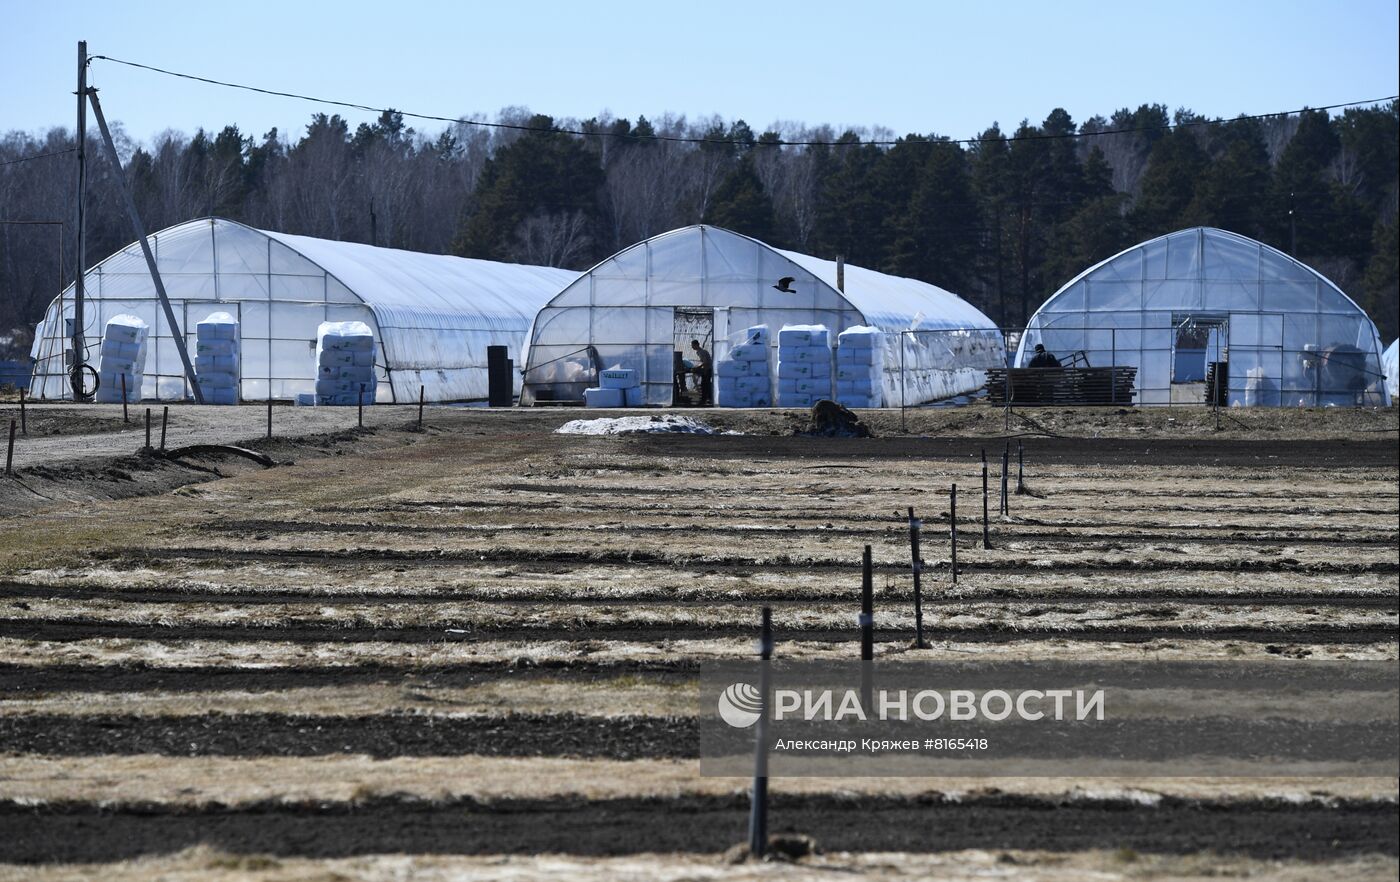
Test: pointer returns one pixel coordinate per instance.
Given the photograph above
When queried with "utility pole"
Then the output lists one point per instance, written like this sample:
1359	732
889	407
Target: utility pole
75	376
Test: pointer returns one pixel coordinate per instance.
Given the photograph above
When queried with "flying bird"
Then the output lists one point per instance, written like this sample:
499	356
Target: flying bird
785	285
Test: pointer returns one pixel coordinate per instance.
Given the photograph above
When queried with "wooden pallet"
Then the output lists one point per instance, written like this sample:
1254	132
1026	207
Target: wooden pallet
1062	386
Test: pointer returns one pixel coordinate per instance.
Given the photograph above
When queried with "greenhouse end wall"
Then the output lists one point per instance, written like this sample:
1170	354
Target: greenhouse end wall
1288	335
434	316
623	313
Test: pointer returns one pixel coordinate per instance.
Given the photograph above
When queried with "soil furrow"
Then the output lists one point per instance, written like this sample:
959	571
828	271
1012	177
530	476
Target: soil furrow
701	824
69	630
1332	537
21	680
639	559
799	597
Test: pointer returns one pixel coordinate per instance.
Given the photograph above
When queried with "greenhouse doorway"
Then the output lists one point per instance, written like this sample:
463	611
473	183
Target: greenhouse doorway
690	389
1199	366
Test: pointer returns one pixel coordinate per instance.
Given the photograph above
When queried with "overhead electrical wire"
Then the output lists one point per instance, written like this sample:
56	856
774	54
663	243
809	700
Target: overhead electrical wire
39	156
722	141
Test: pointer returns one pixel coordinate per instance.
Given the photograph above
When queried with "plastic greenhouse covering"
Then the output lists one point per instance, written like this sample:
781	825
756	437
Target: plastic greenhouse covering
638	307
1175	306
1390	362
433	316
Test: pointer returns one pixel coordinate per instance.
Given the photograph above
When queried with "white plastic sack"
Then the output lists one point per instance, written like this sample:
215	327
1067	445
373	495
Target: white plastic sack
345	356
121	359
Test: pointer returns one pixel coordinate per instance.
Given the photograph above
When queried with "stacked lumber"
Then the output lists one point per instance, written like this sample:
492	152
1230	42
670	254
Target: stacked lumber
1061	386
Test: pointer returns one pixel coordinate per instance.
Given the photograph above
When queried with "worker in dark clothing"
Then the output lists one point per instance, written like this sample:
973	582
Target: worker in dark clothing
704	371
1043	359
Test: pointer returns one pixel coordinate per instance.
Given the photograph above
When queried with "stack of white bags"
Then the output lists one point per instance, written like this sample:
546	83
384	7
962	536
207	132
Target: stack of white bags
122	358
216	359
860	367
804	365
744	377
344	363
617	387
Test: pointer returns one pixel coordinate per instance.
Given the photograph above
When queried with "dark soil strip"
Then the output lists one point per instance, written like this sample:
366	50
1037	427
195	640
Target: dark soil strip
695	824
21	680
379	735
1270	453
660	596
418	734
779	563
66	630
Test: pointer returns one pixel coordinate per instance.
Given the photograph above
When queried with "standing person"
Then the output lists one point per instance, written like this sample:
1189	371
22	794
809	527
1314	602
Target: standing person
704	371
1043	359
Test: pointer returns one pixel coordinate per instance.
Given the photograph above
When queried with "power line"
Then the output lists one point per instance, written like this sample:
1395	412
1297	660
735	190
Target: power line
39	156
722	141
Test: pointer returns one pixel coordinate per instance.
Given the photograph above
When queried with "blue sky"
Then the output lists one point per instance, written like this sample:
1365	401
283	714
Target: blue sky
950	68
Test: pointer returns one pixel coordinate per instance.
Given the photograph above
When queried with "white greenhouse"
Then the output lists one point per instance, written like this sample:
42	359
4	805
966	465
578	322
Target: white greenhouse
1202	307
432	315
640	308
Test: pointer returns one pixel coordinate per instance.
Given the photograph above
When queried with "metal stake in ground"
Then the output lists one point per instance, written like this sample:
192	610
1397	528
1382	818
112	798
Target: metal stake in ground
917	565
10	452
164	418
148	430
867	625
986	535
1005	478
269	417
758	810
125	418
420	407
953	529
360	415
1020	469
23	415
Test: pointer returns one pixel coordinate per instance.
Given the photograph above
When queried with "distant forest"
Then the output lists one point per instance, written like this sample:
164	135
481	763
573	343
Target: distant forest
1002	222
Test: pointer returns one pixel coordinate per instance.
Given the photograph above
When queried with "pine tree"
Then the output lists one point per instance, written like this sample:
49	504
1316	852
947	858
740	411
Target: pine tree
740	204
544	174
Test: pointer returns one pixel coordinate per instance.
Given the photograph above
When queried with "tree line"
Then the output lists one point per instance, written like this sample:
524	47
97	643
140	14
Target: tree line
1003	221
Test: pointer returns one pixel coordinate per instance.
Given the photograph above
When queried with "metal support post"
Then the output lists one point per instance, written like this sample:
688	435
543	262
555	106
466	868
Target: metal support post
986	529
953	529
916	564
758	810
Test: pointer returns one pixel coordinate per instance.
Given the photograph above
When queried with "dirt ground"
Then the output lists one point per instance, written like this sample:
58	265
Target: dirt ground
469	649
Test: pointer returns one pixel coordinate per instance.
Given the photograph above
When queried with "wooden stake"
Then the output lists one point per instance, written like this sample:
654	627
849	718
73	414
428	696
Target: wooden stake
125	418
164	418
420	407
10	453
148	429
269	417
23	414
360	418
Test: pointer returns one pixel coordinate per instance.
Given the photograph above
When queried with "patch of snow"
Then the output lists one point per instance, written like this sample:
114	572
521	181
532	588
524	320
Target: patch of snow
634	425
